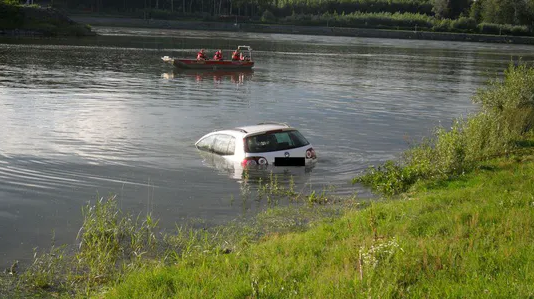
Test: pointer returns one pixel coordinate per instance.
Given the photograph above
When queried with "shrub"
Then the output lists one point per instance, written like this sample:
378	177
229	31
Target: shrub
512	99
520	30
11	17
10	2
506	116
366	20
287	7
388	179
45	28
162	14
76	30
268	17
491	28
206	17
464	24
442	25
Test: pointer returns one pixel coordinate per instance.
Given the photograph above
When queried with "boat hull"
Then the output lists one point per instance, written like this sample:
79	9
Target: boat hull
212	64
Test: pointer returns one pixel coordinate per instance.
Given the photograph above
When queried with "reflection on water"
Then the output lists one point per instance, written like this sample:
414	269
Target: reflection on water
236	171
233	76
84	118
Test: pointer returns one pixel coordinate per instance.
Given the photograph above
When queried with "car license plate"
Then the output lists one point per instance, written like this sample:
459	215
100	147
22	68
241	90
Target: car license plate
291	161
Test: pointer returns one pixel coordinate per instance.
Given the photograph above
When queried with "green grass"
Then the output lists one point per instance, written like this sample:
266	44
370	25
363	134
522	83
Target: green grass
468	237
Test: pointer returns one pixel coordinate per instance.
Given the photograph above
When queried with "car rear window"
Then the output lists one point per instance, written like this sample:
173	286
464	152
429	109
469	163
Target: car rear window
275	141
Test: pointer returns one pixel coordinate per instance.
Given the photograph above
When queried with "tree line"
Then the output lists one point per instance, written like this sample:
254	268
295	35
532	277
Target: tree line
515	12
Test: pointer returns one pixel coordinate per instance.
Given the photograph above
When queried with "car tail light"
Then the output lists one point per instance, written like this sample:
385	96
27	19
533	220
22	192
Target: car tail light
252	161
310	153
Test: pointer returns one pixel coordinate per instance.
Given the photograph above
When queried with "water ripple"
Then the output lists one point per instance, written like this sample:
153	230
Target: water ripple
80	121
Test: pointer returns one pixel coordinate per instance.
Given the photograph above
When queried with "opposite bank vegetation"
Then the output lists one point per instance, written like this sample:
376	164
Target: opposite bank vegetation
34	20
456	220
488	17
494	17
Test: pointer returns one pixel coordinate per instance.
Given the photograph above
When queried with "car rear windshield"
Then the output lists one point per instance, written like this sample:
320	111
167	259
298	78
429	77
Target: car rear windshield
274	141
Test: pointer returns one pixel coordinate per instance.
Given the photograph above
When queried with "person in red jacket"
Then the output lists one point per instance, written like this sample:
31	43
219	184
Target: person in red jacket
218	55
236	55
201	55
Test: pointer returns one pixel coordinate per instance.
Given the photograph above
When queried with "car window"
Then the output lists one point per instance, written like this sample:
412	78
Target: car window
206	144
277	141
223	144
297	138
231	146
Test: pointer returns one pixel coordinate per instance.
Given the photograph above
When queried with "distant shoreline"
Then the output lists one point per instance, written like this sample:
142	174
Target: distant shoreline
293	29
20	20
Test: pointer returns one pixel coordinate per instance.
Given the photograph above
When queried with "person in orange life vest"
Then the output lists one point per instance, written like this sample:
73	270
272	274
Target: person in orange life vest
218	55
201	55
235	55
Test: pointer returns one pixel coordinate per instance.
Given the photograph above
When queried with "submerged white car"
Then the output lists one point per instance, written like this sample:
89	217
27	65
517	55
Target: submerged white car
262	144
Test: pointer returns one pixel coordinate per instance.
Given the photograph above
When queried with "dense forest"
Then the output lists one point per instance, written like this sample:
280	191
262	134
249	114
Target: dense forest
481	16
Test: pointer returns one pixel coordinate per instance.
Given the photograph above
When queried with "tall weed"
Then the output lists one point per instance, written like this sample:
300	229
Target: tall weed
110	242
512	98
506	115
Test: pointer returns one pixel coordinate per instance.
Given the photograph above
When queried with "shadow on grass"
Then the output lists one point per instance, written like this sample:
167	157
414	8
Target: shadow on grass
525	143
487	167
444	183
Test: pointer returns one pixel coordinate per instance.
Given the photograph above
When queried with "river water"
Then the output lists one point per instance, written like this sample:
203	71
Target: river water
87	118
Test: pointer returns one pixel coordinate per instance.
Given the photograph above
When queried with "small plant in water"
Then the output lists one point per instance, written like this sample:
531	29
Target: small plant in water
313	198
45	269
291	192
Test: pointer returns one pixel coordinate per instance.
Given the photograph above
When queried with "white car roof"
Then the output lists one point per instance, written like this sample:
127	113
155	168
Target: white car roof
241	132
250	130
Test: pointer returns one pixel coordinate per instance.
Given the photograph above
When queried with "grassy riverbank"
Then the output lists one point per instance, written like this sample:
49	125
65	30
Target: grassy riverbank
29	20
469	237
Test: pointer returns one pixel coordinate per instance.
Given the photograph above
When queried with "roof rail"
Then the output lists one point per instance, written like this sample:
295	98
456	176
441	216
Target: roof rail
274	123
239	129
